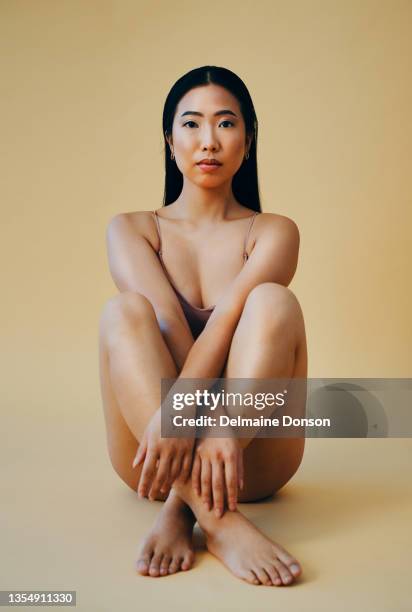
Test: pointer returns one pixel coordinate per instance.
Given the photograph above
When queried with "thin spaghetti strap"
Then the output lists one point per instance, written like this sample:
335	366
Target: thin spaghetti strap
158	231
245	255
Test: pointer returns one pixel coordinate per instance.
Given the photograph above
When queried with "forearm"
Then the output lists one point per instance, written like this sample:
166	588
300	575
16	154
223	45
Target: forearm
207	356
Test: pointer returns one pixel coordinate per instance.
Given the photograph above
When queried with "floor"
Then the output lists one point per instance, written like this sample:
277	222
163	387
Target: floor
69	522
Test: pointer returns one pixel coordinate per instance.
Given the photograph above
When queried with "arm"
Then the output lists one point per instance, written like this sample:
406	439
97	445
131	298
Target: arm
273	259
218	463
135	267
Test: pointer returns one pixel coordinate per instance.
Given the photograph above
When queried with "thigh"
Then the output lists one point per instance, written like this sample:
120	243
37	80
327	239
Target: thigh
122	443
269	463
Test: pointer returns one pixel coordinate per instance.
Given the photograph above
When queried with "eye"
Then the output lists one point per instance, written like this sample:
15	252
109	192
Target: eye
193	123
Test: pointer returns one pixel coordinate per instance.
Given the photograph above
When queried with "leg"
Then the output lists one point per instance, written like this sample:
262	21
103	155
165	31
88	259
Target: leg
133	357
245	550
269	342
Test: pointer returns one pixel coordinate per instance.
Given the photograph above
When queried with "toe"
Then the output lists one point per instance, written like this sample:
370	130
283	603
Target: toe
188	560
284	573
273	573
295	569
164	566
291	563
154	569
143	563
250	577
262	576
175	564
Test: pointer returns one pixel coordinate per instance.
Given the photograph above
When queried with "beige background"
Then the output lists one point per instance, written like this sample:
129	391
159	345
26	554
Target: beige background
82	91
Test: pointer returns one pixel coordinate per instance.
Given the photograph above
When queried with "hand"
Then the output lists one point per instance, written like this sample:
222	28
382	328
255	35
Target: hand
173	455
218	468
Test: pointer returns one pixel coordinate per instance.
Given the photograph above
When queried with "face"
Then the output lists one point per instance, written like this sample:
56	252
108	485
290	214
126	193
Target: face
208	123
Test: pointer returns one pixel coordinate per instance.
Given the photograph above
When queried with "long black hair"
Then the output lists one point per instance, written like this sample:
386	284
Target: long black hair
245	185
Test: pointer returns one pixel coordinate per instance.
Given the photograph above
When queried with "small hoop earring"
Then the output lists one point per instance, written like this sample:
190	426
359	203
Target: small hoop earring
247	155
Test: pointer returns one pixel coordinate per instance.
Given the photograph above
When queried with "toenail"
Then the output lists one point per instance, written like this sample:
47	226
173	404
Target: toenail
294	567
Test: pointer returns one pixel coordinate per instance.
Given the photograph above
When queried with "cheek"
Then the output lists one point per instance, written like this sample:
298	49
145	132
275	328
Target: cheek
236	144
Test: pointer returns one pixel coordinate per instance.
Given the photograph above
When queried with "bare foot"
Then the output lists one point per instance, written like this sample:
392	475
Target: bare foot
168	546
248	553
245	551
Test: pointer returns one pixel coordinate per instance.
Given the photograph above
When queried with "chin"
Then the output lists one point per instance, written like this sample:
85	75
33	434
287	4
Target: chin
210	181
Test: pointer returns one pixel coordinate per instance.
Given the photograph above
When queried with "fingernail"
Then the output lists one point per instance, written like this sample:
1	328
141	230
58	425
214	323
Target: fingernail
134	462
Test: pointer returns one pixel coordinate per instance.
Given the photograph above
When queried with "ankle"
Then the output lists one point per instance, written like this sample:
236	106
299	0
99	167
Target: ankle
177	504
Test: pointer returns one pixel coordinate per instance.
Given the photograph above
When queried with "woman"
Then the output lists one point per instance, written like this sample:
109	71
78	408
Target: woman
169	266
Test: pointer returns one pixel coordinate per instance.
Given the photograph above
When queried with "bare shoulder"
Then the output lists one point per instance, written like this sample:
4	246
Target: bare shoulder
274	220
278	228
136	223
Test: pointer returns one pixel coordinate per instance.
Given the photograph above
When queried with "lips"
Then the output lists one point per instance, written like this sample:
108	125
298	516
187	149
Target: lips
209	162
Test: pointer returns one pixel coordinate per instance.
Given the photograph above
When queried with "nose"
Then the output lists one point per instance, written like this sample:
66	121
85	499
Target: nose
208	139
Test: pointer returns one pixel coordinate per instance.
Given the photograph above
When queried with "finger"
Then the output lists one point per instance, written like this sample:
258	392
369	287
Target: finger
175	467
196	474
231	479
161	476
240	469
141	452
185	468
165	488
147	474
218	487
205	482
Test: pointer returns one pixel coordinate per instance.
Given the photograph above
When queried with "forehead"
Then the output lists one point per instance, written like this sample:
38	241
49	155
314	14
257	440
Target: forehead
208	99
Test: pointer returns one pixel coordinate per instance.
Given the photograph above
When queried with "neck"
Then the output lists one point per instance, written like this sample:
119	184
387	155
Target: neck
197	204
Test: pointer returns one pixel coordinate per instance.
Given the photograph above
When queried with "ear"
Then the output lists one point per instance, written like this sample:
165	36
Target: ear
249	139
169	140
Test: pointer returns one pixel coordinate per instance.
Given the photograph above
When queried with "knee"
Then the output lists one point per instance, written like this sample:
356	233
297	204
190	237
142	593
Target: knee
126	307
272	305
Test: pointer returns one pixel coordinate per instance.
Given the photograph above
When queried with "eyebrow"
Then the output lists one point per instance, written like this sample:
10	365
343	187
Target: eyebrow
225	111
